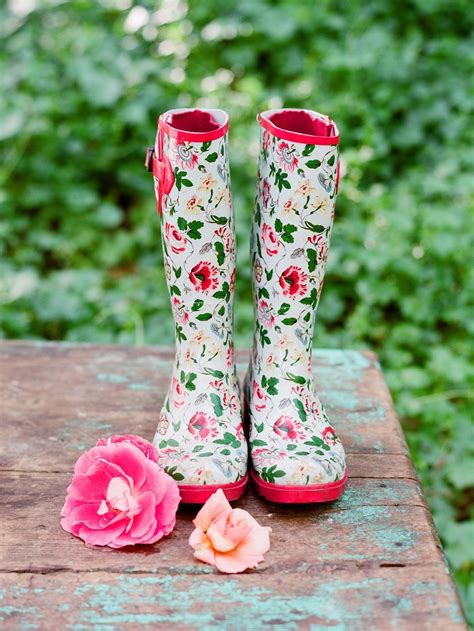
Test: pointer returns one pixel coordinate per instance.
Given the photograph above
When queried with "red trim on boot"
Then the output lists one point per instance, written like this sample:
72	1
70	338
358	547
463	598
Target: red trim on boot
303	126
198	494
312	493
192	125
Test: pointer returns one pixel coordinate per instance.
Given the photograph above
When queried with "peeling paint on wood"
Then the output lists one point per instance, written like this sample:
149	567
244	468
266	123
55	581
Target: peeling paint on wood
370	560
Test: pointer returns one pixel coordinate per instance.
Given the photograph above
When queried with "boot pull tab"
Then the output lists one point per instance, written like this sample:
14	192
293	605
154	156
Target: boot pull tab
160	166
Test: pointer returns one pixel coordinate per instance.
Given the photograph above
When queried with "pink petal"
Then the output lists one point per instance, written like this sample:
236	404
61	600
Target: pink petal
232	562
218	540
216	506
256	543
202	550
130	459
238	525
101	537
141	523
85	514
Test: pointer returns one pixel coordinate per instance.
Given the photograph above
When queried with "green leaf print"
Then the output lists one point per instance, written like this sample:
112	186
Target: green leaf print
197	304
271	473
204	317
299	379
314	227
217	403
300	409
289	321
219	248
283	309
312	259
317	442
205	145
172	471
313	164
271	385
308	150
212	157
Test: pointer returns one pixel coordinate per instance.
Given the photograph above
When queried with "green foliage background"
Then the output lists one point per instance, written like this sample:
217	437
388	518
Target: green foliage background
81	257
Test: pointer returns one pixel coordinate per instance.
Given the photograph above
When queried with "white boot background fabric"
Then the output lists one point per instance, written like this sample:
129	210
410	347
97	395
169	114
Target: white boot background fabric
293	443
200	438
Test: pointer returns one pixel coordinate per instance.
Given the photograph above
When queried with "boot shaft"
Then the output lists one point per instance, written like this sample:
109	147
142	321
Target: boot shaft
192	186
292	222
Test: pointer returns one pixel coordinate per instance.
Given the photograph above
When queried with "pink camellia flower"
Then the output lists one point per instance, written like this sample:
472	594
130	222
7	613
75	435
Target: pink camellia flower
288	428
201	426
270	240
259	397
293	282
120	497
329	435
175	239
149	449
229	538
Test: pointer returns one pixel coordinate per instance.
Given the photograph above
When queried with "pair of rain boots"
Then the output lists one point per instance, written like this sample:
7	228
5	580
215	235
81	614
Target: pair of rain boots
203	438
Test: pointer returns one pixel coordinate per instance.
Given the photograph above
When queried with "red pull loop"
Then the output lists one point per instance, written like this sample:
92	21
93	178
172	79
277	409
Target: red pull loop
160	166
338	175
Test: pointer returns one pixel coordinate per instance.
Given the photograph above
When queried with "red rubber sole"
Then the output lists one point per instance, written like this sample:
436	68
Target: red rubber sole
198	494
283	494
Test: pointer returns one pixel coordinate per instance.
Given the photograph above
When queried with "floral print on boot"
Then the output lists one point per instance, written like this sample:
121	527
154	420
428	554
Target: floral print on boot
296	453
200	438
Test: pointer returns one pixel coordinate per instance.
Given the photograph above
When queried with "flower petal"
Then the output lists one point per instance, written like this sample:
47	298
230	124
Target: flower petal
216	506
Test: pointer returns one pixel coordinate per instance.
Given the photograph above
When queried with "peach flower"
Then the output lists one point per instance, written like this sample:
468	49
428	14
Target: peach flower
120	497
229	538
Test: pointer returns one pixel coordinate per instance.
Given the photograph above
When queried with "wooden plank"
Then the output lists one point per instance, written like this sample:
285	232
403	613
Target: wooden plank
375	522
303	597
370	560
57	399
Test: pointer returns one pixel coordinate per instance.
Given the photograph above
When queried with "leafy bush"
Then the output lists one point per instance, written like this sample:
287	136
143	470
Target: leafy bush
81	252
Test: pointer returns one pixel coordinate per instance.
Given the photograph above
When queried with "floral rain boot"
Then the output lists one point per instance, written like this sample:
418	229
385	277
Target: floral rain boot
296	454
200	439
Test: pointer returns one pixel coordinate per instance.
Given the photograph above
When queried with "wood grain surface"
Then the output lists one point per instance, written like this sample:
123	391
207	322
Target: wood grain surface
371	560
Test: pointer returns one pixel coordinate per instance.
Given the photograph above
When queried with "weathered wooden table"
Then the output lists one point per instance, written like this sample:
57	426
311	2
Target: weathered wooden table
371	560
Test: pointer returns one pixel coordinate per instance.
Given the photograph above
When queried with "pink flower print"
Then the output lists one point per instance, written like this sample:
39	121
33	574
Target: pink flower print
204	277
293	282
176	241
192	203
289	205
179	310
265	192
321	246
232	281
288	428
185	155
266	140
265	312
230	353
286	156
264	456
270	240
329	435
259	397
239	432
178	395
202	426
229	400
